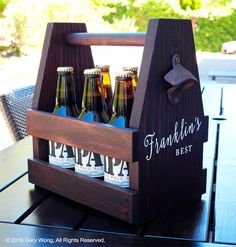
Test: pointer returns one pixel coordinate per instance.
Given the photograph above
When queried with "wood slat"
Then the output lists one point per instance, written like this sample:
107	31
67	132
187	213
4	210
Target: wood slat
225	203
19	199
10	232
89	191
190	222
13	162
100	222
120	39
100	138
57	211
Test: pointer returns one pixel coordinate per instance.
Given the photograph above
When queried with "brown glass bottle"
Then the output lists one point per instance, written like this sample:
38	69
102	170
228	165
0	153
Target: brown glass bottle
66	105
86	162
117	171
106	86
134	71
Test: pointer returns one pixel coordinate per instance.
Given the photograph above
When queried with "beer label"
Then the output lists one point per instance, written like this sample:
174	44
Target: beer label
61	155
89	163
116	172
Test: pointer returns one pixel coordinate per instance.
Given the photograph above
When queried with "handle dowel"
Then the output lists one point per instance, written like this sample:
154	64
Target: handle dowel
113	39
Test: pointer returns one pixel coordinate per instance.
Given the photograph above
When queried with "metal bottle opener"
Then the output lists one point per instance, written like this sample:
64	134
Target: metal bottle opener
181	80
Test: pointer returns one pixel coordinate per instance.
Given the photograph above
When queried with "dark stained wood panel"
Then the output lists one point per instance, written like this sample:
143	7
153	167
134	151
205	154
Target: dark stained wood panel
97	137
225	202
57	211
89	191
190	222
100	222
18	200
56	52
13	161
168	180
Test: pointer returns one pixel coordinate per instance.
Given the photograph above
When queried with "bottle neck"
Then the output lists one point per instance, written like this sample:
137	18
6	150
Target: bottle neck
92	95
123	98
134	80
106	79
65	95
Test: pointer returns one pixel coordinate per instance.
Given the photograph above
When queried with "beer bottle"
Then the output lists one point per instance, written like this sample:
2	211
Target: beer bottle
86	162
106	86
117	171
134	71
66	105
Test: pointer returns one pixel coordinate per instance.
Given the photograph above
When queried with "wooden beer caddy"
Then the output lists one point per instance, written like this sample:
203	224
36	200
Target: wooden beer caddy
164	144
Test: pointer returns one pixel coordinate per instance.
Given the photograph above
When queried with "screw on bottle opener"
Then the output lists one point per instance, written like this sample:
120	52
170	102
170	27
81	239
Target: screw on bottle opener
181	80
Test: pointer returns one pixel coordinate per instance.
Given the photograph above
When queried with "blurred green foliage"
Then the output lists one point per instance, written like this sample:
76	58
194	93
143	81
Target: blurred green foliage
141	13
3	4
192	4
24	22
214	25
211	32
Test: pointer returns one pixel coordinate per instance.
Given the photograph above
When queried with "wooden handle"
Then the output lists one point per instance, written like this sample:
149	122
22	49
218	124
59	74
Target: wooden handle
114	39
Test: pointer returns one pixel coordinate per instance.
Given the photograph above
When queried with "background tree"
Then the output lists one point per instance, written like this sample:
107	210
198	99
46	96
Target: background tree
192	4
3	5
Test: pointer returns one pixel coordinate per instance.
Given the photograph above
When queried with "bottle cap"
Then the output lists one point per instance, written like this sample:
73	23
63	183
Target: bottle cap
124	74
92	71
65	69
103	67
133	69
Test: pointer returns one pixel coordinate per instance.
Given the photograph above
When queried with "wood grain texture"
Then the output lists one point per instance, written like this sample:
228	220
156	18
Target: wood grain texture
164	181
56	52
13	161
190	222
18	200
91	192
167	181
57	211
97	137
120	39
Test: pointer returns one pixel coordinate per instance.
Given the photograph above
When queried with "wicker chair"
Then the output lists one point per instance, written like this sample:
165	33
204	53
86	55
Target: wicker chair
13	106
